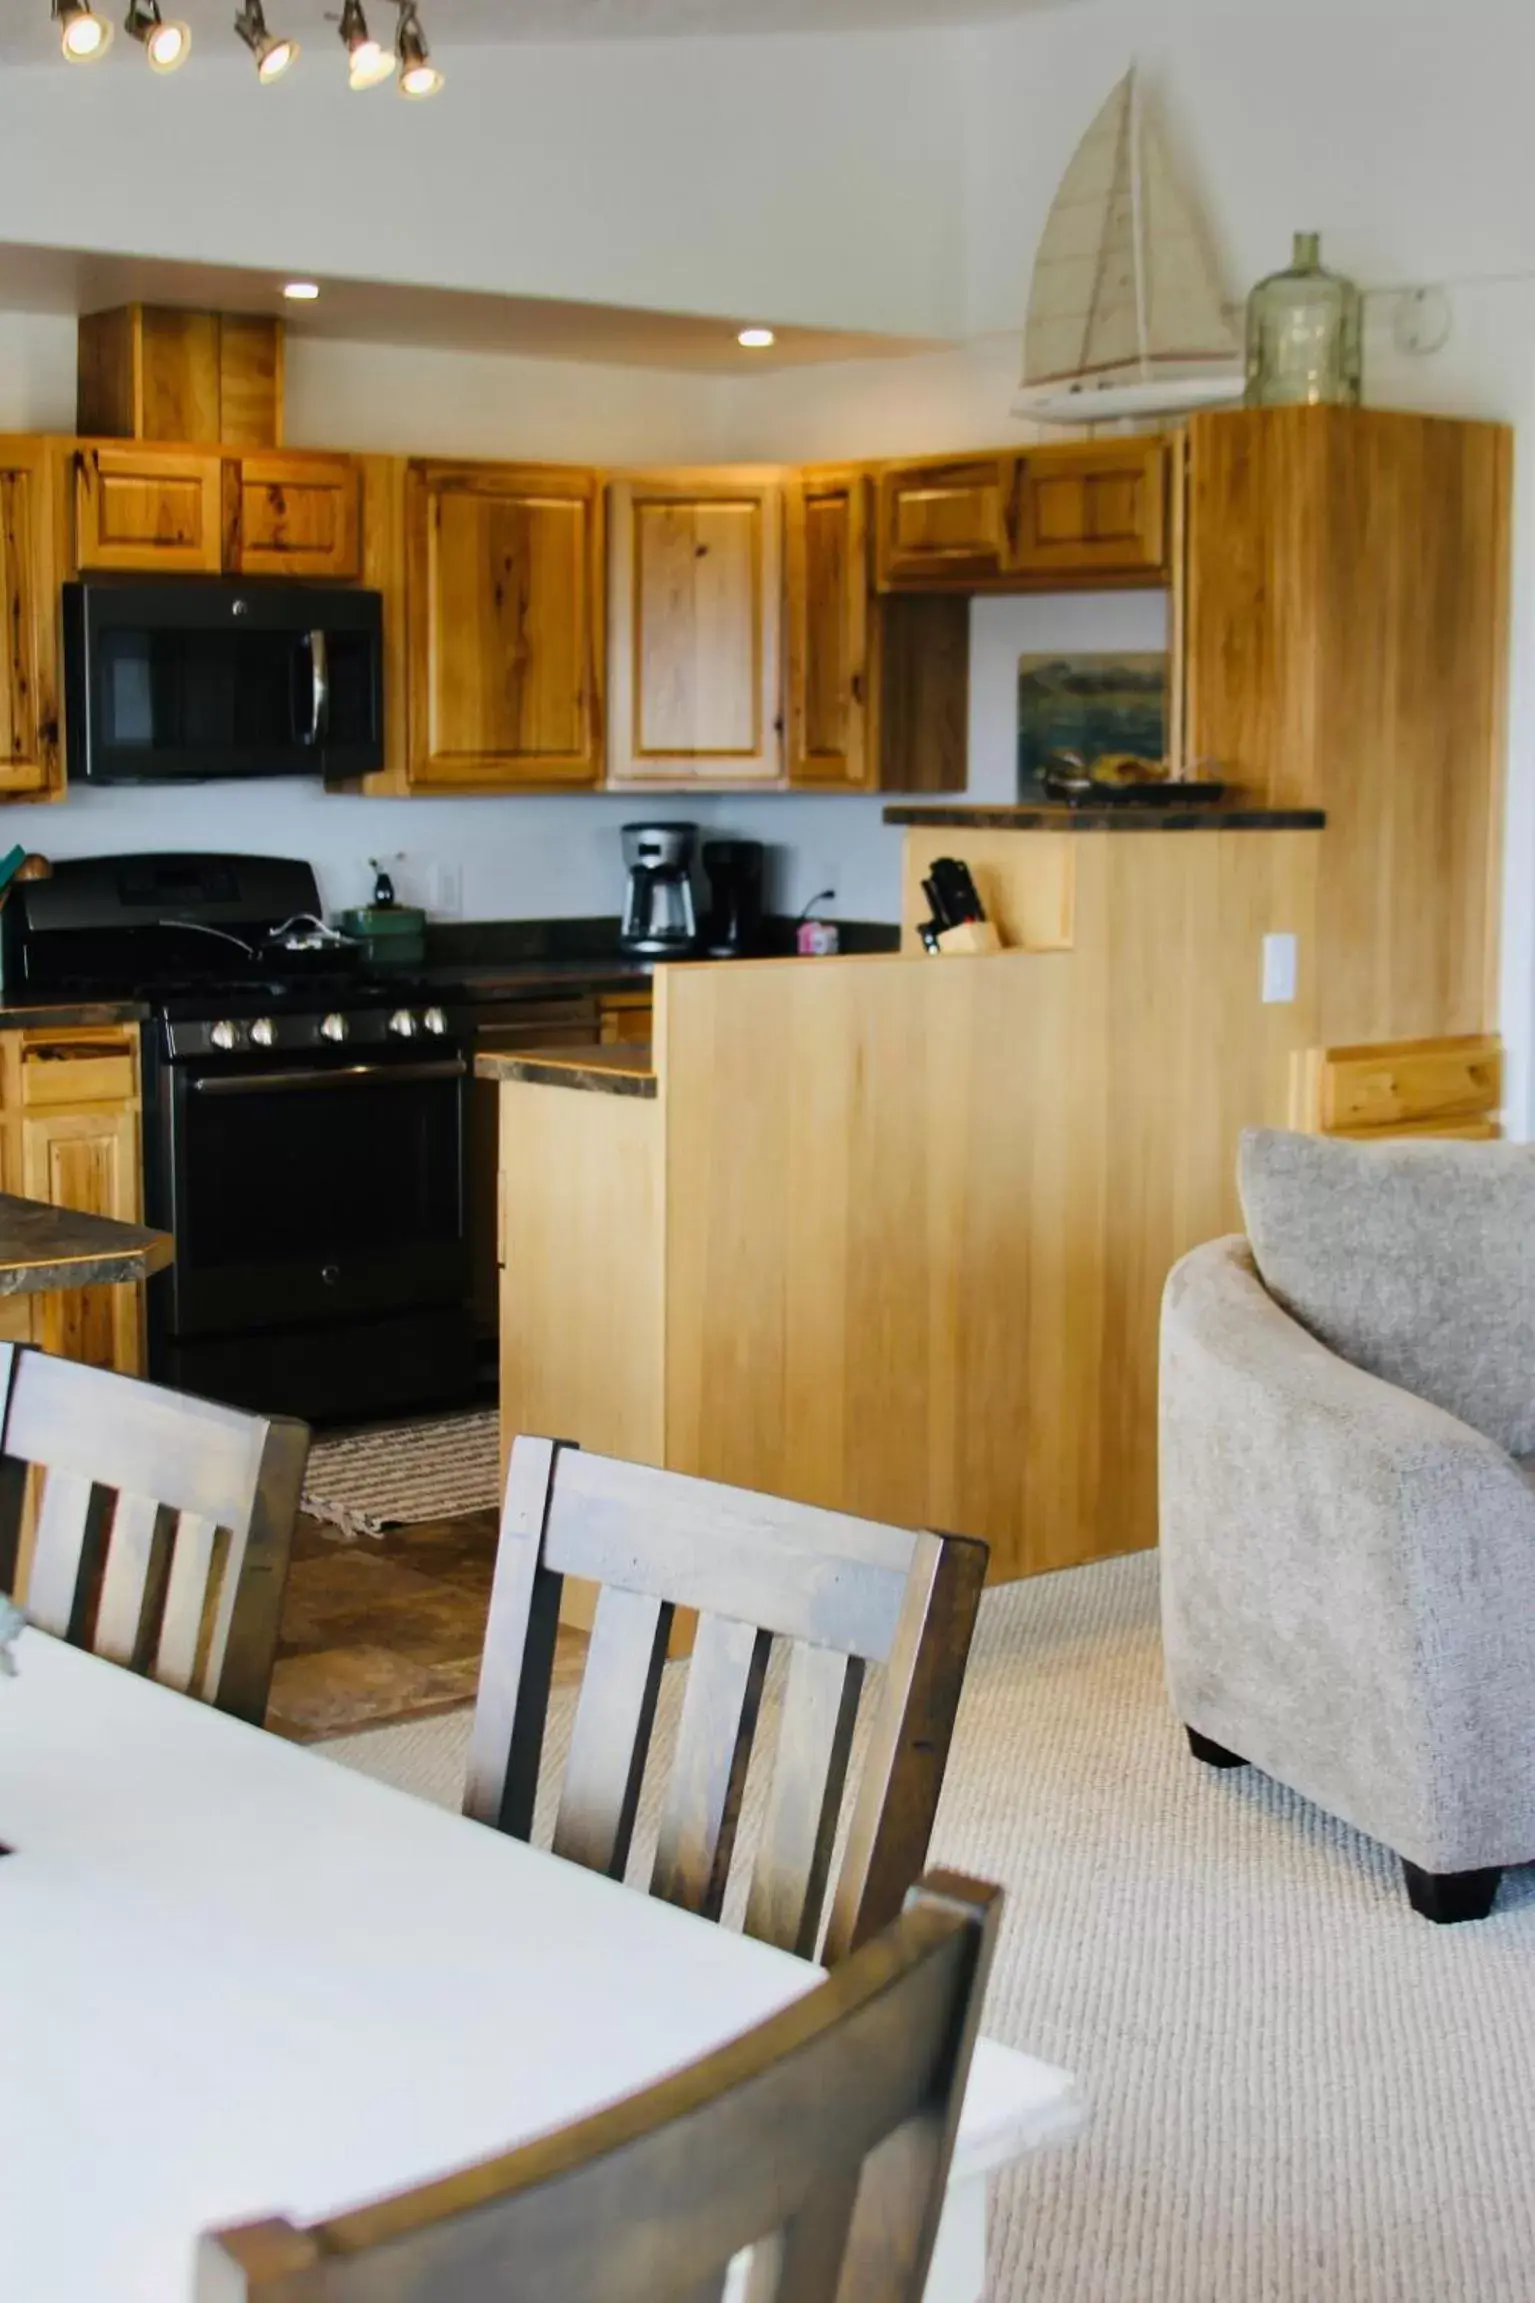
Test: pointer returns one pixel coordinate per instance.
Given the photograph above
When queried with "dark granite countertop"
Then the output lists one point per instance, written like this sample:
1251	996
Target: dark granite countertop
619	1071
37	1015
1018	818
45	1247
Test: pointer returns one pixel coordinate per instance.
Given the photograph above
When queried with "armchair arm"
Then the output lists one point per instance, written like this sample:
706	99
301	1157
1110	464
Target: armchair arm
1348	1578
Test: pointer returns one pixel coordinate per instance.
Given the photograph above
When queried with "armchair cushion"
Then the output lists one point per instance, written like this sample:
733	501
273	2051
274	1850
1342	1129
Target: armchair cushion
1413	1260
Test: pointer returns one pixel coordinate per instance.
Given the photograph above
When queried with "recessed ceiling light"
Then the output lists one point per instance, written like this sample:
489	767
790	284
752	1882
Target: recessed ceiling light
83	35
301	291
756	339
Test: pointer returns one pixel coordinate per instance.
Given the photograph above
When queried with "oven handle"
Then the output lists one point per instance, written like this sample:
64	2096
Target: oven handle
305	1082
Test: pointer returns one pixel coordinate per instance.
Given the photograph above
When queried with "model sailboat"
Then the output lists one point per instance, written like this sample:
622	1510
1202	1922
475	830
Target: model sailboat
1126	313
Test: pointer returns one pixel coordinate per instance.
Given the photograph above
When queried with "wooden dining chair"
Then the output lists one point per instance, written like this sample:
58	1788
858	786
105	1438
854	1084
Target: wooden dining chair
162	1535
844	1593
821	2140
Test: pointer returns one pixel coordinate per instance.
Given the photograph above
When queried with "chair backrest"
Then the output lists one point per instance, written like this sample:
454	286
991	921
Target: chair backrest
821	2140
843	1592
162	1536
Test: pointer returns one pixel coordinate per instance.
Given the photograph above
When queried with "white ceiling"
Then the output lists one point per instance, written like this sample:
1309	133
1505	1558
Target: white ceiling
68	280
26	34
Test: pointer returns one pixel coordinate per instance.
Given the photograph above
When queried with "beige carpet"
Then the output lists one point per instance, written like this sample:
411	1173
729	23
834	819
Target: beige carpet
1302	2093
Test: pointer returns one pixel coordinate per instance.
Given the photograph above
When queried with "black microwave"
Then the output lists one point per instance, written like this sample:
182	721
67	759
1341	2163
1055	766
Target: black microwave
181	679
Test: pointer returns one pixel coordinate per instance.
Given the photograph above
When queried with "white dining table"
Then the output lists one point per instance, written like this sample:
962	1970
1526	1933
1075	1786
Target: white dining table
238	1979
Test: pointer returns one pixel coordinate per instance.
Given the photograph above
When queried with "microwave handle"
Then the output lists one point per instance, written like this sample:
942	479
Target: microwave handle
319	688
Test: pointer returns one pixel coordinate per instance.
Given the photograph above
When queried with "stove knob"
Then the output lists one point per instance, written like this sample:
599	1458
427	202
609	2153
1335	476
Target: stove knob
262	1033
435	1021
333	1027
403	1024
223	1035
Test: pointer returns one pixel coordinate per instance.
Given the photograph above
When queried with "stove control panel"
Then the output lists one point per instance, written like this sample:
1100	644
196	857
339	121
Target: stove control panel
293	1033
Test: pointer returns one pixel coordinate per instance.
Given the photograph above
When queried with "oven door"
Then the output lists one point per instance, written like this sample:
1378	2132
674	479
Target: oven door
316	1189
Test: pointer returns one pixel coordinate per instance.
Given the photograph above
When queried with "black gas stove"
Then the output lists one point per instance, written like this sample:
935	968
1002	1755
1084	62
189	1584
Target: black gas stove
304	1130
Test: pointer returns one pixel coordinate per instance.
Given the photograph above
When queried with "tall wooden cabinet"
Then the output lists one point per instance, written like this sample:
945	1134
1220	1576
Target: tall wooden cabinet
31	566
503	620
694	572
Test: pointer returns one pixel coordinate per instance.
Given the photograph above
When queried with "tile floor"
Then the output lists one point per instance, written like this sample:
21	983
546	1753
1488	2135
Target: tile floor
388	1628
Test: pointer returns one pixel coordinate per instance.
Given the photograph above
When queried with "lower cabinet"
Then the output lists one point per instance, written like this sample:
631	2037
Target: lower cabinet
69	1128
624	1019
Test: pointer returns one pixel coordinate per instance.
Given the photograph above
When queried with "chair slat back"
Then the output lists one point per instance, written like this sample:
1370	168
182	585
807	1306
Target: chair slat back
163	1533
843	1593
821	2140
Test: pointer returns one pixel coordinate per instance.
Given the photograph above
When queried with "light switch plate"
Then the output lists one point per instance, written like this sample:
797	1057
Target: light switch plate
1278	969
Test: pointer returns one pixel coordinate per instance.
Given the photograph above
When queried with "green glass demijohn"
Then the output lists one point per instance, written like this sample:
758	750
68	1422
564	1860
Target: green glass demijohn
1303	335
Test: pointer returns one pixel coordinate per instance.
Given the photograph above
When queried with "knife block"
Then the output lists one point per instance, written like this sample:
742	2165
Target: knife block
970	939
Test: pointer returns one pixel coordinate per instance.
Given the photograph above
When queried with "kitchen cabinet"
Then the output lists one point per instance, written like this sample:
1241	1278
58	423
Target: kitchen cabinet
1096	510
877	684
151	508
625	1019
504	626
945	522
287	514
695	617
147	372
69	1134
31	756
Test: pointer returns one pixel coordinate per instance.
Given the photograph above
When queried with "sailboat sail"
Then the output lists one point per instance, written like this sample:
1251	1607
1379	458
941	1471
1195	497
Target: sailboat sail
1125	294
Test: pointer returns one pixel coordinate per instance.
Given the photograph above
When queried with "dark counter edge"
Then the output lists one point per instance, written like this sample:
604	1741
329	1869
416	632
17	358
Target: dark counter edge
1005	818
60	1013
593	1071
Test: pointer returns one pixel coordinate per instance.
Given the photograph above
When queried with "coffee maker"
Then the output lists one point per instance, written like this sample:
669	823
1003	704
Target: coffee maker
733	924
659	920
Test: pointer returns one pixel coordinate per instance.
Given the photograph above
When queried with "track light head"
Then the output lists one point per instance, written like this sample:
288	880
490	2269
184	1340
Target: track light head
369	62
166	46
273	53
83	35
418	75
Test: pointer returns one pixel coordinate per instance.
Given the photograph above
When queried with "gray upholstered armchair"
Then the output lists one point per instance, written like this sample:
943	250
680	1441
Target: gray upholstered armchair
1347	1515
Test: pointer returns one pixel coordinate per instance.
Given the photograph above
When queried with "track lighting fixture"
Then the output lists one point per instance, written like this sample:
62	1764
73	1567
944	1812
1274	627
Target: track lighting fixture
166	46
273	54
369	62
83	35
418	75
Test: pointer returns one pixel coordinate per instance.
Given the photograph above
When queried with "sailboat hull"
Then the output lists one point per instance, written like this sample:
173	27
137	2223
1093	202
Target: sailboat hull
1104	403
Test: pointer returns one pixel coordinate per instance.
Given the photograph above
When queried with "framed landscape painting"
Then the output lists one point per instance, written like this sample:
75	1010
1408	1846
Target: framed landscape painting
1089	705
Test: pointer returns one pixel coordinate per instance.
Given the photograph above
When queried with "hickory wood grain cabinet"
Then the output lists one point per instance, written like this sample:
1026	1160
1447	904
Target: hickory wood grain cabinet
694	574
503	625
1081	512
31	564
197	511
69	1135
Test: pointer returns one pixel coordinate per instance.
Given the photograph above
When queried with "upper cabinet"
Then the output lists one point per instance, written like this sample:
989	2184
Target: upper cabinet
1081	513
944	523
287	514
153	508
695	582
1097	511
30	566
827	630
503	625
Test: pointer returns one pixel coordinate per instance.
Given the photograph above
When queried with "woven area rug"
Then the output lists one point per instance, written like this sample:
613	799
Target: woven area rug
393	1475
1300	2092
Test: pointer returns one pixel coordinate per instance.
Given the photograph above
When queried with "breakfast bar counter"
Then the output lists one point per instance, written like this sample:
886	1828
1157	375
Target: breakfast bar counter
44	1248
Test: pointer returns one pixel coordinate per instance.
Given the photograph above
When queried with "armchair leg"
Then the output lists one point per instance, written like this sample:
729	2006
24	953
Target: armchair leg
1447	1897
1213	1754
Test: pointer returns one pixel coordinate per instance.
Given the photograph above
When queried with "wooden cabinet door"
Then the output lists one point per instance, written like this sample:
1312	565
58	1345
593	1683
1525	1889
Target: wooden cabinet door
828	631
31	758
695	612
88	1159
292	515
147	507
1098	510
944	523
504	625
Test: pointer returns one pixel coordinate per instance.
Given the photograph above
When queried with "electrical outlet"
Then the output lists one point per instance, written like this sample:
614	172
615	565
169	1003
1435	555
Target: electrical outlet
1278	969
450	891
